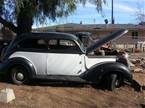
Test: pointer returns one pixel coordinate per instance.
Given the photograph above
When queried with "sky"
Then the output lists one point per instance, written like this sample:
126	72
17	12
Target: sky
124	13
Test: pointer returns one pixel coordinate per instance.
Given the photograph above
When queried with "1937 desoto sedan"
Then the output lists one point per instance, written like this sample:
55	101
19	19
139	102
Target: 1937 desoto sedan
62	57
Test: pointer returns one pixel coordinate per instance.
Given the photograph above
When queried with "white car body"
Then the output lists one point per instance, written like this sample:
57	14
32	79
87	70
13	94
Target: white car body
61	64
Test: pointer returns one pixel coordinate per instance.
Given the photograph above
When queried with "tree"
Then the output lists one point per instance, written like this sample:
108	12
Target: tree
19	15
140	17
140	14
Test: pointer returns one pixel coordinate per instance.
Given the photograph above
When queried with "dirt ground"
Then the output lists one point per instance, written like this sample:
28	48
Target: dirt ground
52	95
47	96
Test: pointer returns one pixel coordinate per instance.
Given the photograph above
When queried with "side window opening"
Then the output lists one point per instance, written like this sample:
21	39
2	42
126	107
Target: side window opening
42	44
53	44
135	35
67	44
34	44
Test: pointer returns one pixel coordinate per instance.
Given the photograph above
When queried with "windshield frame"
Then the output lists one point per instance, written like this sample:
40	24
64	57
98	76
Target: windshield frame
81	45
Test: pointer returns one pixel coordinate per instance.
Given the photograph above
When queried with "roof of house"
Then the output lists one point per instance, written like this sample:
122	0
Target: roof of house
91	27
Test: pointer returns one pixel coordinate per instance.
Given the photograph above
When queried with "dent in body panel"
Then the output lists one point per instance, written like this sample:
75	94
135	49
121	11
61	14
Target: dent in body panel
37	59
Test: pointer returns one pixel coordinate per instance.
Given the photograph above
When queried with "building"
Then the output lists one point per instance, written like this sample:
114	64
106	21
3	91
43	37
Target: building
133	40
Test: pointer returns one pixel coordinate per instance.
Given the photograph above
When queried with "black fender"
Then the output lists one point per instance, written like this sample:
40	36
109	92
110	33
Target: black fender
9	63
97	72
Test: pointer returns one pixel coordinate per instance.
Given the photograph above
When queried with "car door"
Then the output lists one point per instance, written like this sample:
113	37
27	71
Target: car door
64	58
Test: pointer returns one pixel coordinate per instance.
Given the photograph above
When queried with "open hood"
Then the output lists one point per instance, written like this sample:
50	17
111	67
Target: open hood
106	39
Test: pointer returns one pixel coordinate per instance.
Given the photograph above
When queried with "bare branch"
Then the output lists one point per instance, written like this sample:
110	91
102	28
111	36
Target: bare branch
8	24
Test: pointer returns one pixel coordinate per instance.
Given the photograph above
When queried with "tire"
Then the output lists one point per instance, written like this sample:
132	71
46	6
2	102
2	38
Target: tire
113	82
19	75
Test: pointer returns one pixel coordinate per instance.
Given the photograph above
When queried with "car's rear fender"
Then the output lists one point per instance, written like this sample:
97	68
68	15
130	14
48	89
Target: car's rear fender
97	72
8	64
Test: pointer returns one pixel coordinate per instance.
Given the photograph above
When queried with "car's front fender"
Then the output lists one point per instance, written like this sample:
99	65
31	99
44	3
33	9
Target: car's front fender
98	71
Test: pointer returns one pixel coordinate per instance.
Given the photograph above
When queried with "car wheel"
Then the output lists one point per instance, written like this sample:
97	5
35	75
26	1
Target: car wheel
113	82
19	75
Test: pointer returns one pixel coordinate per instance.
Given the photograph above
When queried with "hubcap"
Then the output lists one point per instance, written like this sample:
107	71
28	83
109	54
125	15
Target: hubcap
20	76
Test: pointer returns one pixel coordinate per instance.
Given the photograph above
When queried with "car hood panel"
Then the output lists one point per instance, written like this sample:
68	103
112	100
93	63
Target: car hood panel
106	39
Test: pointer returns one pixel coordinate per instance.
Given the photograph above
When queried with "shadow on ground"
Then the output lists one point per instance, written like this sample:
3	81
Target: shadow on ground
136	86
142	105
143	87
46	83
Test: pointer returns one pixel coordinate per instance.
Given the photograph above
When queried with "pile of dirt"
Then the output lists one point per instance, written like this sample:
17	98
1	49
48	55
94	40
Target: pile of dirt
138	62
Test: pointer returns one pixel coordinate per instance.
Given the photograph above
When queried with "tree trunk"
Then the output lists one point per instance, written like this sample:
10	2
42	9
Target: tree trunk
25	19
24	23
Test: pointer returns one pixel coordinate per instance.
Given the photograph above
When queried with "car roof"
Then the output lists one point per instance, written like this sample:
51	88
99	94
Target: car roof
49	35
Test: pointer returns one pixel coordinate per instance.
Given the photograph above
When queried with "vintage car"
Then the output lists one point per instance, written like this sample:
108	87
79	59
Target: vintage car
62	57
